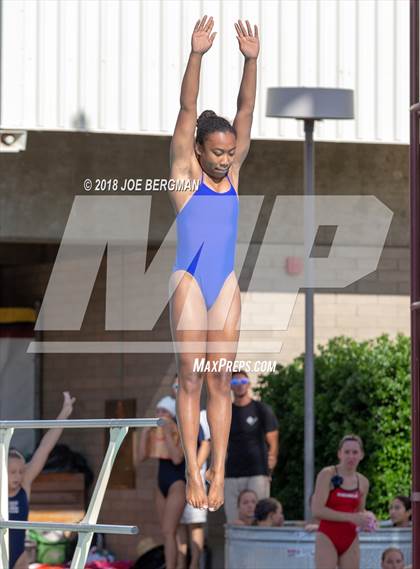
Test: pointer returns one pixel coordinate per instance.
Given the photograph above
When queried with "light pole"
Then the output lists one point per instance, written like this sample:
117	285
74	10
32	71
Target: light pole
309	104
415	271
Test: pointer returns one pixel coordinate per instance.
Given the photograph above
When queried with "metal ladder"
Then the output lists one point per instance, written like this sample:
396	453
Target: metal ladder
88	526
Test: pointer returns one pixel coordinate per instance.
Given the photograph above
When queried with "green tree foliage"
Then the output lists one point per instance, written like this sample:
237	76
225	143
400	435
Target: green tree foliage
362	388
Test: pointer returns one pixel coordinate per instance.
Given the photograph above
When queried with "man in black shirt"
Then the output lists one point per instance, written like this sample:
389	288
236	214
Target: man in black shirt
253	446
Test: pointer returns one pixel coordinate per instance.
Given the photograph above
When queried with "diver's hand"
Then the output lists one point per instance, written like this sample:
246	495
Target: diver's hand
201	40
249	43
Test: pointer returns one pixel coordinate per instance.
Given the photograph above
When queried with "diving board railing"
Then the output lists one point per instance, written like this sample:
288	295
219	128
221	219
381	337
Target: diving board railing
88	526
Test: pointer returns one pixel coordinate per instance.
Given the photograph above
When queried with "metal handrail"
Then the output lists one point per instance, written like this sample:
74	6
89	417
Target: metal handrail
88	526
48	526
80	423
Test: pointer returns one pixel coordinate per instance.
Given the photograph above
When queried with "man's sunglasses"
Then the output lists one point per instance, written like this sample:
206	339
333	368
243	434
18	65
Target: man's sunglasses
239	381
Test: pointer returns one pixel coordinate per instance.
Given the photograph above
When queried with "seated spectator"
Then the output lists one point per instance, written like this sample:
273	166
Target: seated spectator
400	512
392	558
269	513
247	500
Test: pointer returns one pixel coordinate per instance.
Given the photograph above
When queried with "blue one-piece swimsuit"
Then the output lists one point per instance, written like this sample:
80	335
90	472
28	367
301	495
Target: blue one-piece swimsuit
18	510
206	238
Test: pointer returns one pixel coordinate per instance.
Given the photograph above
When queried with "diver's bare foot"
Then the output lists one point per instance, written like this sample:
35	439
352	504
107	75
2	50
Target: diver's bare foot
195	493
216	492
209	475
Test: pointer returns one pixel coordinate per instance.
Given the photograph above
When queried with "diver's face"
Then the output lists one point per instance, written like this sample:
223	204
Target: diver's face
15	469
217	153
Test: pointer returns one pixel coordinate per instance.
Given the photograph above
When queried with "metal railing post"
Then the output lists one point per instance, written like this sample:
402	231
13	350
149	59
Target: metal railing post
117	435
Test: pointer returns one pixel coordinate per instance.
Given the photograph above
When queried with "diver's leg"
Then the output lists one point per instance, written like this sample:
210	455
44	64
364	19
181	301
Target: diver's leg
222	343
188	314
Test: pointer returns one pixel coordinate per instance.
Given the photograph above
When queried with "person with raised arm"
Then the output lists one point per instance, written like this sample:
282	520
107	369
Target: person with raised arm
21	475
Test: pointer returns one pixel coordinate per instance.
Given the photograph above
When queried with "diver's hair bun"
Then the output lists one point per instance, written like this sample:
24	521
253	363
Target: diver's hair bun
209	122
206	115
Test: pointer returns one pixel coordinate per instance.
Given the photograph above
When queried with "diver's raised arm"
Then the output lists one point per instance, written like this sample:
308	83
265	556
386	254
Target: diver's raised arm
249	46
182	143
201	42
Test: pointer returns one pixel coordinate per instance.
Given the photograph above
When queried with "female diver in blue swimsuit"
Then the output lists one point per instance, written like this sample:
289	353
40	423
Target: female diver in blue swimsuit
205	306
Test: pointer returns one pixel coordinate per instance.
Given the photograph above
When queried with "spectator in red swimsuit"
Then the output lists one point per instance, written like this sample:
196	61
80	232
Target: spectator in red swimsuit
339	503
